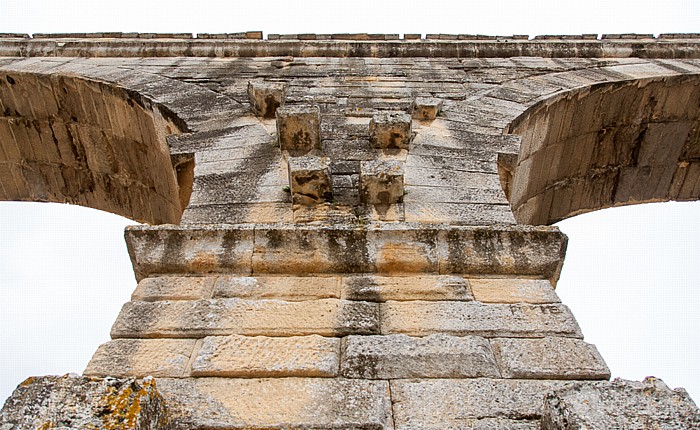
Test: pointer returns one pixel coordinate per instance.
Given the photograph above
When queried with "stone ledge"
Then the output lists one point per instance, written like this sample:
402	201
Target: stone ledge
172	45
378	248
620	405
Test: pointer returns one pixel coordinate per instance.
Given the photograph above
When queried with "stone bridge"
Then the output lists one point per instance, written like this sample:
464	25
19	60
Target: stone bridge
348	231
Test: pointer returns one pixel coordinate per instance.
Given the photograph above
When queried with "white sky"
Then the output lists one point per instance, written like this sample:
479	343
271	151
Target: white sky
631	274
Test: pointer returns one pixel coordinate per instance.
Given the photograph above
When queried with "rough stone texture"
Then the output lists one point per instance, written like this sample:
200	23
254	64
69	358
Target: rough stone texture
141	357
174	288
403	357
620	405
426	108
298	128
381	182
310	180
374	288
549	358
513	290
299	403
217	317
287	288
420	318
266	97
74	402
261	357
456	404
391	130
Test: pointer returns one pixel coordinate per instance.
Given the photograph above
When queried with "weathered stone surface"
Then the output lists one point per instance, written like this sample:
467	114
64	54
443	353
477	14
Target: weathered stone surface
426	108
391	130
374	288
261	357
299	403
513	290
402	357
298	128
141	357
266	97
420	318
381	182
75	402
310	180
549	358
289	288
174	288
216	317
447	403
620	405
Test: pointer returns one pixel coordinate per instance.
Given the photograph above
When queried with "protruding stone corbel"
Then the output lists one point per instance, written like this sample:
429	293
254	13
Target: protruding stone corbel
381	182
266	97
310	180
391	130
298	128
426	108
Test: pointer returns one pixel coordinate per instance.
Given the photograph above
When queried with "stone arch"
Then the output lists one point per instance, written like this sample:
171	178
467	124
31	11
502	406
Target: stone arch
607	144
70	139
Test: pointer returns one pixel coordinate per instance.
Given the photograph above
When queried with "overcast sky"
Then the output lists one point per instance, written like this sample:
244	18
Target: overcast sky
631	274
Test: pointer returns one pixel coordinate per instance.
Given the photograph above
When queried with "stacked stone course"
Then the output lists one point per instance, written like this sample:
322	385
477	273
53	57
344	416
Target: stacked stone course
350	230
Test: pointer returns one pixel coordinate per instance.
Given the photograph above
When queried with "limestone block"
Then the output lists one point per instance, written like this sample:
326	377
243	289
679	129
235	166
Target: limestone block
400	357
217	317
278	403
174	288
266	97
426	108
420	318
289	288
260	356
298	128
391	130
381	182
549	358
382	288
141	357
620	404
75	402
513	290
310	180
438	404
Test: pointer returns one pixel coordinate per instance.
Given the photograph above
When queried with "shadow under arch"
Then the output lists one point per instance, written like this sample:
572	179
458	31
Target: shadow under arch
609	144
69	139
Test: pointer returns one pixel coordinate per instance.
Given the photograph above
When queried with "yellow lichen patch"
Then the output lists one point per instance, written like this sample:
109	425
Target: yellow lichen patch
47	425
27	381
121	408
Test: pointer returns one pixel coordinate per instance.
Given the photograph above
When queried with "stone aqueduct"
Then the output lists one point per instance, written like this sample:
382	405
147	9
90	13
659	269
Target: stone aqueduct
348	231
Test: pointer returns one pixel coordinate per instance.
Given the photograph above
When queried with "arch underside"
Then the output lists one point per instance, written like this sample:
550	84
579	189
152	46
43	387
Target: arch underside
609	144
68	139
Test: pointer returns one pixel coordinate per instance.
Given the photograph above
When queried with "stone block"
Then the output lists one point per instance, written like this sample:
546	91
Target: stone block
620	404
266	97
217	317
401	357
549	358
374	288
426	108
391	130
174	288
513	290
260	357
298	128
439	404
141	357
75	402
421	318
278	403
310	180
289	288
381	182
